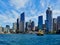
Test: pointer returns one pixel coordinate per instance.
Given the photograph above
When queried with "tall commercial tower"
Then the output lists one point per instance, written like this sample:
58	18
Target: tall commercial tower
22	22
46	30
0	29
32	26
54	24
17	30
58	23
14	26
40	22
29	25
49	20
26	27
8	28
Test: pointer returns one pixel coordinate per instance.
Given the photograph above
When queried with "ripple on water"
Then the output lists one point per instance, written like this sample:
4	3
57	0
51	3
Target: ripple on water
29	39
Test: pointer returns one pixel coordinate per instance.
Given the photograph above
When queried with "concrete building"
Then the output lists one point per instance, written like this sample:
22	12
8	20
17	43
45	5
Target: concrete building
58	23
29	25
14	26
7	28
54	24
0	29
32	26
26	27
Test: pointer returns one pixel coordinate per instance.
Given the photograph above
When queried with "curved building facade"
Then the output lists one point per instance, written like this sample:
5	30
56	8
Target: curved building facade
49	20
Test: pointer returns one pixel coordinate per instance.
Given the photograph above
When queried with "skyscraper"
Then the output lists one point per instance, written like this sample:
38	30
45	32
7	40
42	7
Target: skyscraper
46	30
58	23
17	30
29	25
22	22
54	24
49	21
0	29
8	28
26	27
14	26
32	26
40	22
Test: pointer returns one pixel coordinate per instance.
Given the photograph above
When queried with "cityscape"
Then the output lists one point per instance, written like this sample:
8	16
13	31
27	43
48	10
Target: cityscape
51	26
29	22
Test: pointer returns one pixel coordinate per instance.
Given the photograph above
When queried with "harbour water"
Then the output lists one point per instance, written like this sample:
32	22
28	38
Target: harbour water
29	39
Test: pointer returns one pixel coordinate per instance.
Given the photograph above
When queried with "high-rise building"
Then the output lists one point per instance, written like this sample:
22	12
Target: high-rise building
32	26
17	30
54	24
49	19
40	22
58	23
26	27
14	26
0	29
29	25
22	22
36	28
7	28
46	30
44	27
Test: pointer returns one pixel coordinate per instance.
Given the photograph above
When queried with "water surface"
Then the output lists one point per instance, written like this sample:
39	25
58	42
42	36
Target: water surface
29	39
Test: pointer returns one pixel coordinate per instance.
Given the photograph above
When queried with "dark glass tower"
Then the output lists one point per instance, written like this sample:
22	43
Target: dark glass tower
32	26
17	25
26	27
49	21
8	28
22	17
40	22
58	23
22	22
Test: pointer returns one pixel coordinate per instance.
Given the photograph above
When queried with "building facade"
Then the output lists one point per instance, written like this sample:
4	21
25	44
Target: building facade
17	30
0	29
32	26
14	27
49	20
22	23
7	28
26	27
54	24
58	23
40	22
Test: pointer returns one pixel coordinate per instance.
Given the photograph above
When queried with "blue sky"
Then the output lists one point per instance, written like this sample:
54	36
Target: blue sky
10	10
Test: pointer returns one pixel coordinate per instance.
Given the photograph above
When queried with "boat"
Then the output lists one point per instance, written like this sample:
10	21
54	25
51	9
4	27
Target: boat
40	33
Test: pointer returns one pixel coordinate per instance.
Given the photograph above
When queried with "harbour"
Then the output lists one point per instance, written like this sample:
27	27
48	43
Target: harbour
29	39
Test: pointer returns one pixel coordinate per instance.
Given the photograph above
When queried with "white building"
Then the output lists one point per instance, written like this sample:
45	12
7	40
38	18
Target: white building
0	29
14	27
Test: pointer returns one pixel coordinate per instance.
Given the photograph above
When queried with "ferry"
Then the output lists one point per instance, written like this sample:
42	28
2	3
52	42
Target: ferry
40	33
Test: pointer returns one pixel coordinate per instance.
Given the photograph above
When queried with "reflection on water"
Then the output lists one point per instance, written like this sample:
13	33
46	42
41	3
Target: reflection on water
29	39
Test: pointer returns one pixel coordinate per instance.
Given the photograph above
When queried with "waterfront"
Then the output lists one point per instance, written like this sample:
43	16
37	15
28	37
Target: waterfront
29	39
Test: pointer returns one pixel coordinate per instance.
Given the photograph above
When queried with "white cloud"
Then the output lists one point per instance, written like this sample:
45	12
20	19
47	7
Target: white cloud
19	3
6	19
56	13
15	14
33	12
9	17
36	17
42	3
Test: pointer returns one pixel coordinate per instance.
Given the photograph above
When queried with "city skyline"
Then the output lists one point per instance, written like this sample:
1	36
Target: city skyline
10	10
